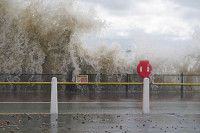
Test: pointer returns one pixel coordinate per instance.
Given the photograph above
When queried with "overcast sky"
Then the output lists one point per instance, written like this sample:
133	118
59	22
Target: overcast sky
166	23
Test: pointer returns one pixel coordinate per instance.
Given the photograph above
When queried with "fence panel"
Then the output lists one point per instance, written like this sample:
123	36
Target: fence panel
154	78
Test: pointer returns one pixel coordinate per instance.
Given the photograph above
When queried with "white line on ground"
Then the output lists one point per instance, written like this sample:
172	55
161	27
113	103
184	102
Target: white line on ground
67	102
164	102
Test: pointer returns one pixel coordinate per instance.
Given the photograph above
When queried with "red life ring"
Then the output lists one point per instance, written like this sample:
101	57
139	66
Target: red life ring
144	68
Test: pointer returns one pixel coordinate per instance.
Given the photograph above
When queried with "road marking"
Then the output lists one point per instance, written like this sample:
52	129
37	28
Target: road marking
68	102
160	102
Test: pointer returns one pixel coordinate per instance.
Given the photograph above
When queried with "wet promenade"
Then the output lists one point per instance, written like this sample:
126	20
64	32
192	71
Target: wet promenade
100	112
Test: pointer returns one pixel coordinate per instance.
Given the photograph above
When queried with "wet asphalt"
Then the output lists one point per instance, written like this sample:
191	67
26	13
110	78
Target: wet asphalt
119	114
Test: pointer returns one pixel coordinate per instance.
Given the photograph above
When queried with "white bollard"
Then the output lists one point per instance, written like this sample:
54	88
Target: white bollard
54	97
145	103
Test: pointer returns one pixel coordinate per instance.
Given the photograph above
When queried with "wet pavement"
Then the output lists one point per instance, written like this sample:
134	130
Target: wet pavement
100	123
102	113
102	108
98	96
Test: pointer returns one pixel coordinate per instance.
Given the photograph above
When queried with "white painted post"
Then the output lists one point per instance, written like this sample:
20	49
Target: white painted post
54	97
145	104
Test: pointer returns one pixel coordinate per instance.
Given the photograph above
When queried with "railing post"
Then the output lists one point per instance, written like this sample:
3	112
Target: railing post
182	85
127	82
14	86
54	97
145	103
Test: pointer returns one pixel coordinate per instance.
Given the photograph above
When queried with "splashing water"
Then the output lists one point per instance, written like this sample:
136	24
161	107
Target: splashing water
44	37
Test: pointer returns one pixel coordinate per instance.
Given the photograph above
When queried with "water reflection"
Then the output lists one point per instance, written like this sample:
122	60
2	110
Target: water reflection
54	123
146	124
98	97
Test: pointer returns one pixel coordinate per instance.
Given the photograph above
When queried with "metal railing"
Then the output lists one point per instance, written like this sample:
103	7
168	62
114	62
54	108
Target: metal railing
128	82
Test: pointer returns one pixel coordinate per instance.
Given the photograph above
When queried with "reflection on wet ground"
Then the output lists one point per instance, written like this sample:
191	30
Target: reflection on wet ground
102	108
99	112
97	96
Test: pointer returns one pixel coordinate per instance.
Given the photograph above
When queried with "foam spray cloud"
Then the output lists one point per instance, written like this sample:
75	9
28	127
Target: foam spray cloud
44	37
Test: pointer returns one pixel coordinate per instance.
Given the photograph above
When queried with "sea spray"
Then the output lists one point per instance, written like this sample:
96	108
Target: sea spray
39	36
39	39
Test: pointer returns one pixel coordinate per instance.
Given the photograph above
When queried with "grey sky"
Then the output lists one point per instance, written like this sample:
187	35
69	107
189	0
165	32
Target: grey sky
150	22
